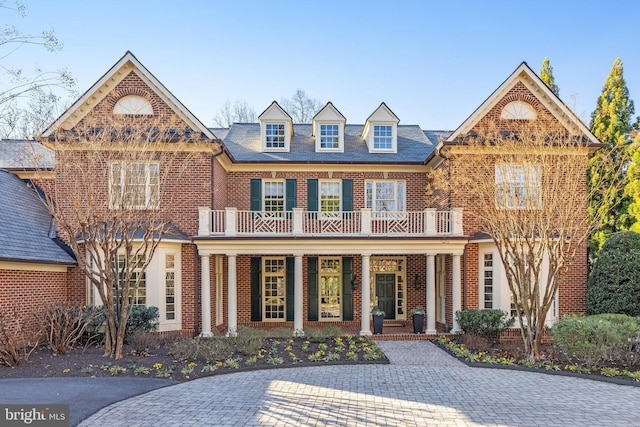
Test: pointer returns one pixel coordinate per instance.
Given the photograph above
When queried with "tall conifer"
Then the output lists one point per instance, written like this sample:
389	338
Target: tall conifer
611	123
546	74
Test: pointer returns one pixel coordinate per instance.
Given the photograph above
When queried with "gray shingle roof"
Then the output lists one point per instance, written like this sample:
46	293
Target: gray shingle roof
19	154
243	143
24	234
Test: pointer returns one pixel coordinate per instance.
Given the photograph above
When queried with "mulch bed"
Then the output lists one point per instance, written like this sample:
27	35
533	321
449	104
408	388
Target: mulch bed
89	361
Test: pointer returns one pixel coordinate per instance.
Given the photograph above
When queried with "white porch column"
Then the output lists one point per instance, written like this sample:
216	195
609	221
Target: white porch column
456	291
232	304
298	327
205	279
431	295
365	325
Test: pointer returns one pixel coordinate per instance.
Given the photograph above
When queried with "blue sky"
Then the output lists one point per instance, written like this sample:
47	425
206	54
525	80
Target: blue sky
432	62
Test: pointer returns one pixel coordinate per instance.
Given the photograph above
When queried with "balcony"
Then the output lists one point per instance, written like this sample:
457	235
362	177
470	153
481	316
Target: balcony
232	222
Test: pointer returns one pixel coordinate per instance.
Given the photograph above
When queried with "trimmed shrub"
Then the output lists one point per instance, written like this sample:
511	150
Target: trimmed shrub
591	340
614	282
142	319
248	340
487	323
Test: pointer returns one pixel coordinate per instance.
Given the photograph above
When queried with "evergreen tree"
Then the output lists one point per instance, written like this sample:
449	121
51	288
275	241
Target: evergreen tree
632	189
611	123
546	74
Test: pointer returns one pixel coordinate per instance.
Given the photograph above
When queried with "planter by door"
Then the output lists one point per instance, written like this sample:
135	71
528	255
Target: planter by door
377	324
418	323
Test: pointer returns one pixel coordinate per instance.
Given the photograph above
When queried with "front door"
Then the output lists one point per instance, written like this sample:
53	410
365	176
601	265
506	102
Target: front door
386	293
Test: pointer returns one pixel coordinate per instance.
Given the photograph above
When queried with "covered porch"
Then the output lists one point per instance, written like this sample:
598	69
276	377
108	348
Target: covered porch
366	251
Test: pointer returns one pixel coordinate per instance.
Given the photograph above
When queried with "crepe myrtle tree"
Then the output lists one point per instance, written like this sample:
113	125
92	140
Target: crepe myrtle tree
528	192
108	206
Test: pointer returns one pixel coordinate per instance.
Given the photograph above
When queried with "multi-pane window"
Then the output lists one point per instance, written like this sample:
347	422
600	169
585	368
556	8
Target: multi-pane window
518	186
382	137
170	286
274	133
385	196
274	288
137	295
487	280
134	185
330	288
329	137
273	196
330	198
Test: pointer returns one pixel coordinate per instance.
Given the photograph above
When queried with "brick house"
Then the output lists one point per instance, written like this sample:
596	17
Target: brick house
295	225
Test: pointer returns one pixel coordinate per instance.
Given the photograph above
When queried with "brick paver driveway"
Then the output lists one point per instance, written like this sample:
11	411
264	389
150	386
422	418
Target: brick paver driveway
422	386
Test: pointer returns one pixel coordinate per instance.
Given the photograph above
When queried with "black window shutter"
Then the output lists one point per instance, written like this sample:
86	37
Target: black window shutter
312	275
256	289
290	194
347	288
256	194
347	195
290	278
312	195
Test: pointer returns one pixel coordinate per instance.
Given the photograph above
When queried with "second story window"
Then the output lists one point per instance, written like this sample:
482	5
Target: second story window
330	198
273	196
382	137
274	135
518	187
329	137
134	185
385	196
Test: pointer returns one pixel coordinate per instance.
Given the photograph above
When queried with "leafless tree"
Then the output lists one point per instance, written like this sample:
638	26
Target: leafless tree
20	87
238	112
301	107
108	206
527	190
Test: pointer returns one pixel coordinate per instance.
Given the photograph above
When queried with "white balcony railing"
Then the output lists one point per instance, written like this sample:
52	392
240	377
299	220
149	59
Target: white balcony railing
232	222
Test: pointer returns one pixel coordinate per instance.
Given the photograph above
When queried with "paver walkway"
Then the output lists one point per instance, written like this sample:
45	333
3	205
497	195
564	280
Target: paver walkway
422	386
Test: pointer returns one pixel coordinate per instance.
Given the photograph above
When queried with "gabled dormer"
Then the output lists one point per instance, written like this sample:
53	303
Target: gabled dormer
328	129
381	131
276	128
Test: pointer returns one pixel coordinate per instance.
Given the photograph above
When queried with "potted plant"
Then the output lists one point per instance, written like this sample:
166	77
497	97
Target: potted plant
378	319
418	320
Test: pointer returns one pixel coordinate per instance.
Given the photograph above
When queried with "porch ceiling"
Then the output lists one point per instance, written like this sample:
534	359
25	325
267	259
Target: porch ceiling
330	246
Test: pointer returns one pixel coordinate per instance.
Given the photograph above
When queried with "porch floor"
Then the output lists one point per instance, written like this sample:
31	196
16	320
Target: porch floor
393	332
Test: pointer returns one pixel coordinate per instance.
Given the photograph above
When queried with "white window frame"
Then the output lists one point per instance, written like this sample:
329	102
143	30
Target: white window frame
337	139
137	295
266	276
488	273
518	186
275	141
170	286
372	204
329	214
278	213
119	172
321	295
387	137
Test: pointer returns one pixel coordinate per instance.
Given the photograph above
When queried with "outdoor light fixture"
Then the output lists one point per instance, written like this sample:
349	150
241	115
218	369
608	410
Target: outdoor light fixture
417	282
355	282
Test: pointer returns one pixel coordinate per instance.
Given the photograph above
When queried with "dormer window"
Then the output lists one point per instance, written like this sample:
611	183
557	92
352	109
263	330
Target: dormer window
382	137
276	128
380	131
274	133
329	137
328	129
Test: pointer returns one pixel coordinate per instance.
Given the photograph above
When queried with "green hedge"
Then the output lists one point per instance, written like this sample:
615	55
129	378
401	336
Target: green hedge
487	323
592	340
614	282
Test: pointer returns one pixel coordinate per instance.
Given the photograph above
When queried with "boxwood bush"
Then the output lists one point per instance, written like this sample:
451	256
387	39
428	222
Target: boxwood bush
592	340
488	323
614	282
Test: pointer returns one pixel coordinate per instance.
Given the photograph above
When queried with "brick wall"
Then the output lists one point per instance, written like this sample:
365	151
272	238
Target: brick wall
24	293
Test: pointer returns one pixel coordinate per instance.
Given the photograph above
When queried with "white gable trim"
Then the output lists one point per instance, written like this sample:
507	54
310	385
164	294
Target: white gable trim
540	90
328	115
382	116
108	81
